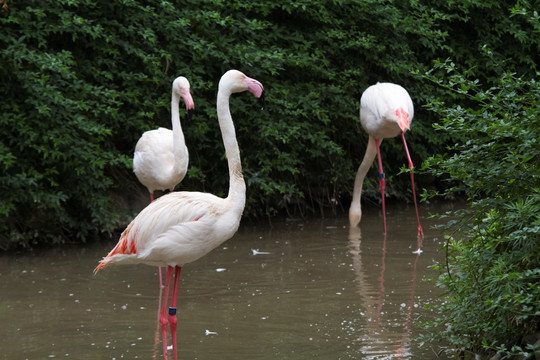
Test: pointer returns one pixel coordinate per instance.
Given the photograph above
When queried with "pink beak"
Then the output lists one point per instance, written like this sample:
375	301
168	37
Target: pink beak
254	86
188	100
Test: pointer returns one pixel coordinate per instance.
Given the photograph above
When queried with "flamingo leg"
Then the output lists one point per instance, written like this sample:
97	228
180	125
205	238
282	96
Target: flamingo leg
163	316
382	182
420	231
173	321
159	267
156	334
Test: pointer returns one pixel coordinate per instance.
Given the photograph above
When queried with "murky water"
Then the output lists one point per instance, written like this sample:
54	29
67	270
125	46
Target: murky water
299	290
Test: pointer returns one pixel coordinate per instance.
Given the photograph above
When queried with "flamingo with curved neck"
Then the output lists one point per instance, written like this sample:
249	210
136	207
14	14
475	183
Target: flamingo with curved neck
161	157
181	227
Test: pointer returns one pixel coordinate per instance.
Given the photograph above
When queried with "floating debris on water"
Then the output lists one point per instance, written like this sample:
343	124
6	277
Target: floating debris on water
257	252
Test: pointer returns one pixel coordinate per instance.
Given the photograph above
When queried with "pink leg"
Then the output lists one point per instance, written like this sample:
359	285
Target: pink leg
159	267
163	316
156	334
172	311
420	231
382	182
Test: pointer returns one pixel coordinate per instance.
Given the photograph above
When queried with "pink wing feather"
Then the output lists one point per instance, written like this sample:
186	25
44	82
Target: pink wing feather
125	246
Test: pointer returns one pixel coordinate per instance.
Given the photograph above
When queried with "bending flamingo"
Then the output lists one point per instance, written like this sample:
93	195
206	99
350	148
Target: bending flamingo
161	157
181	227
386	111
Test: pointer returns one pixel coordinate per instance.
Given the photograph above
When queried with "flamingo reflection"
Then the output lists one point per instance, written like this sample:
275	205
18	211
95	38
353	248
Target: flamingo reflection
405	340
376	341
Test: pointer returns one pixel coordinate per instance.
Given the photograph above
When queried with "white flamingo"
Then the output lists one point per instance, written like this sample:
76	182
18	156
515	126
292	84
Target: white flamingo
181	227
161	157
386	111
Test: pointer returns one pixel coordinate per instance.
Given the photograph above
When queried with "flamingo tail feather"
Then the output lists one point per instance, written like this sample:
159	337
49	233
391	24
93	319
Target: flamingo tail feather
125	246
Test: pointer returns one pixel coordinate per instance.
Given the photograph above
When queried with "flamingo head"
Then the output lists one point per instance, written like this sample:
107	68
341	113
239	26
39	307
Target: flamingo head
236	81
355	215
181	87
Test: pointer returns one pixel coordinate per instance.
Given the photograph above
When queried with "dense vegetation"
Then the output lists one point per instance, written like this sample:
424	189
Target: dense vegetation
492	270
81	80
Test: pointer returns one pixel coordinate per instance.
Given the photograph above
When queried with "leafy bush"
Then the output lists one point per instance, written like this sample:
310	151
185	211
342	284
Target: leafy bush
492	274
81	80
67	122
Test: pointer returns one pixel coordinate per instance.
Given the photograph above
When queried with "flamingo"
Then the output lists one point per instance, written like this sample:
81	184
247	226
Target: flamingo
386	111
161	157
181	227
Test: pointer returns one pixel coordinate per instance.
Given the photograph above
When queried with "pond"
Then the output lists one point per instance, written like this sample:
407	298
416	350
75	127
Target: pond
299	289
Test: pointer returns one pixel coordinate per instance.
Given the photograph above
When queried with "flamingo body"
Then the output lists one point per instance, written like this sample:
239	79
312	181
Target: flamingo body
154	160
386	111
176	229
161	158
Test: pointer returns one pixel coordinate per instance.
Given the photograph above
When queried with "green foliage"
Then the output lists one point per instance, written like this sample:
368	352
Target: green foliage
81	80
64	101
492	274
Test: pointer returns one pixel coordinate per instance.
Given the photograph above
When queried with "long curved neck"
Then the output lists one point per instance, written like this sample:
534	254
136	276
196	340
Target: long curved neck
355	211
179	143
237	186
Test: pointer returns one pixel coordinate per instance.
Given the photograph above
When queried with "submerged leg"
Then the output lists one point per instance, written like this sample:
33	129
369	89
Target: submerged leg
382	182
163	316
156	334
420	231
158	322
173	321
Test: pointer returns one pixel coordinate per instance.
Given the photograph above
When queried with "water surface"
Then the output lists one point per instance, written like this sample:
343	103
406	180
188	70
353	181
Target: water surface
296	290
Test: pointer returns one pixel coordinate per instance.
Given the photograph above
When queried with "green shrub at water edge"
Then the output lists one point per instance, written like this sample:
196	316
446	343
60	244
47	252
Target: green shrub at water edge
492	272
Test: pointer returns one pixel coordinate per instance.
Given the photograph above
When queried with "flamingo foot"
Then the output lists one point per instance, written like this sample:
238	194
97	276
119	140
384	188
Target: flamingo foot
419	239
420	232
173	321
